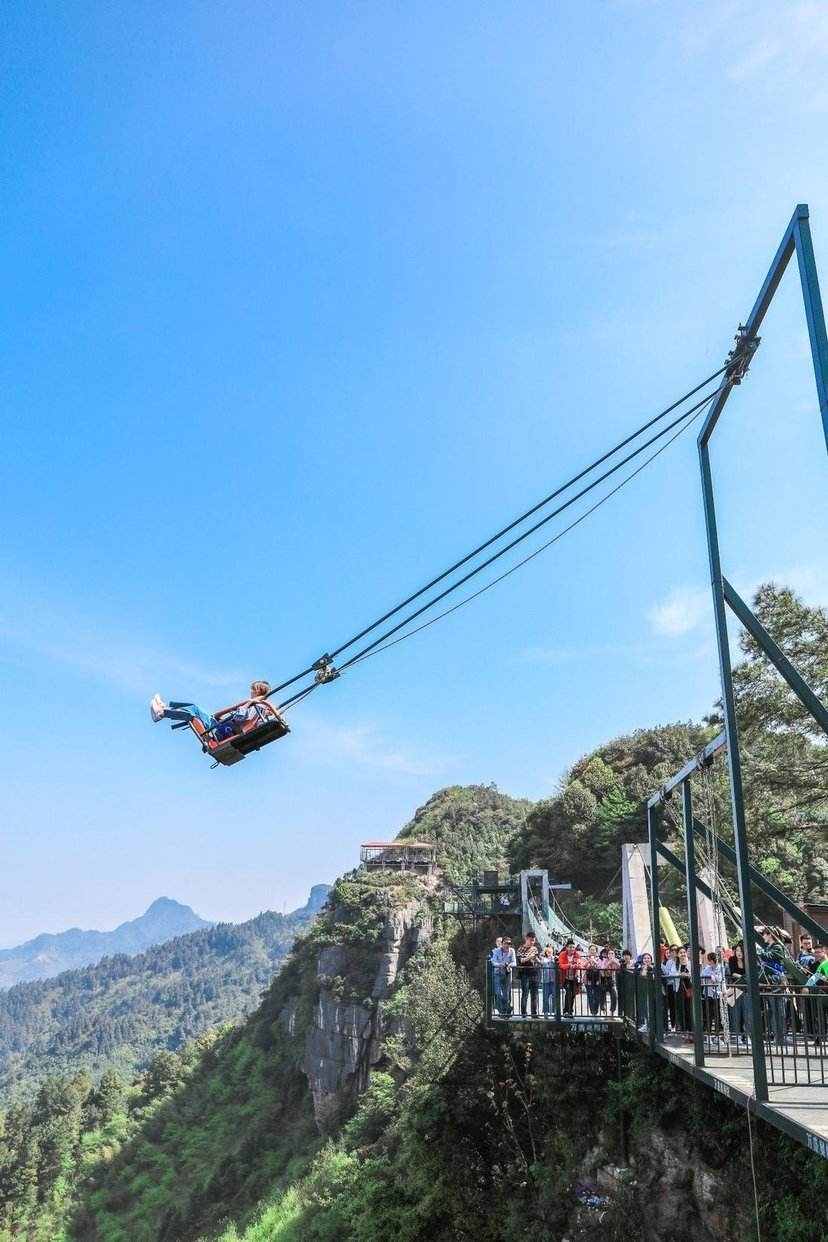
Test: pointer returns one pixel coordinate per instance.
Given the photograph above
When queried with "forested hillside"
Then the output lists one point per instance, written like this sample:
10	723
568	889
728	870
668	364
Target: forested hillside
49	955
119	1013
473	827
364	1100
326	1120
599	804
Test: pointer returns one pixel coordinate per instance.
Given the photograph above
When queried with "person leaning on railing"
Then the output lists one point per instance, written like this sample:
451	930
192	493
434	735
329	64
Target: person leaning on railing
528	961
737	996
610	966
503	960
772	964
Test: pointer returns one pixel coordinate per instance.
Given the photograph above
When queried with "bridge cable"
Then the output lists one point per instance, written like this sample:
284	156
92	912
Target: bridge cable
686	420
519	565
504	531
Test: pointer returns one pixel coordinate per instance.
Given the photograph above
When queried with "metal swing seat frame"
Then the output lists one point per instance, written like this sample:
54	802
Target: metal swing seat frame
227	751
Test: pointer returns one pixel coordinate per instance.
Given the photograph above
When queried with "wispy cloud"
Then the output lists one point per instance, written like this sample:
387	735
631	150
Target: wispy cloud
688	609
364	745
56	633
682	611
780	47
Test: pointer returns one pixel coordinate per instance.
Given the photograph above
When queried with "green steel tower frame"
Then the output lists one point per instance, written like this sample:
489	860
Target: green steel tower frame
797	239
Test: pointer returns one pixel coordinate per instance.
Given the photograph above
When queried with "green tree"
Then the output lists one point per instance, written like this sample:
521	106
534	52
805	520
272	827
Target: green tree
474	828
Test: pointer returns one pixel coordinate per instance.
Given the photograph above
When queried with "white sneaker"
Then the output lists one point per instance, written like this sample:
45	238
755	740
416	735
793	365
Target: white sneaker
157	707
644	1029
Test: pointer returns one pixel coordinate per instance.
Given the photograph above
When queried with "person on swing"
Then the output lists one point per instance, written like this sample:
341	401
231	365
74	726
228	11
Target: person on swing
226	722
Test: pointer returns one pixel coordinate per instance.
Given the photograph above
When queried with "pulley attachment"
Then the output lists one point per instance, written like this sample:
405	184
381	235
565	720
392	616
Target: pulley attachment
324	671
741	356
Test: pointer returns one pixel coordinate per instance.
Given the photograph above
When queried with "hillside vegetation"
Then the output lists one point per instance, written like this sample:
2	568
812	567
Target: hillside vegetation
47	955
473	827
365	1100
218	1142
119	1013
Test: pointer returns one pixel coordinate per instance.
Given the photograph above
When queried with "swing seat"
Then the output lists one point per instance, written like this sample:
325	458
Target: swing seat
233	749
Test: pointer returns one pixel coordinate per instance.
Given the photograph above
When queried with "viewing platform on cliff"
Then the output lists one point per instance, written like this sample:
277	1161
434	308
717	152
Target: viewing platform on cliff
419	857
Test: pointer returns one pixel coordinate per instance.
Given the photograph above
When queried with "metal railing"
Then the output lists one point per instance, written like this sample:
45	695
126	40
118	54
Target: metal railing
794	1038
549	992
795	1028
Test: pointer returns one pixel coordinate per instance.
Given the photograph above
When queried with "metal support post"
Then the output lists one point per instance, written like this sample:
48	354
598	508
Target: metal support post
813	308
692	918
735	767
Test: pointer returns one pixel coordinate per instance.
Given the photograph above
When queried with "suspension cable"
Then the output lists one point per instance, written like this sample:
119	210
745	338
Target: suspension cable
326	660
687	420
526	559
537	525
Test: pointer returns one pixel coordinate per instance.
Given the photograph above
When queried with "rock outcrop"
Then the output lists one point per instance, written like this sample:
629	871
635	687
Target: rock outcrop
344	1042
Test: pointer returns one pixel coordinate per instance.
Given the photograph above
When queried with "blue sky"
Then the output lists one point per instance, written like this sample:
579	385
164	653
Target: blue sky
301	301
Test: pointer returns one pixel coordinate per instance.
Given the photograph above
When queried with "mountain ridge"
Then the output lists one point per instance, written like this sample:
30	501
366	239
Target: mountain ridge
51	953
121	1011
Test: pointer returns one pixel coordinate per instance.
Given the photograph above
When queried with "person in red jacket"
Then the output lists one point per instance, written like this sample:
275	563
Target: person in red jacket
569	963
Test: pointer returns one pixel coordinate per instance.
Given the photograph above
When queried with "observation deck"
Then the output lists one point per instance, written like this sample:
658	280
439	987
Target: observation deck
419	857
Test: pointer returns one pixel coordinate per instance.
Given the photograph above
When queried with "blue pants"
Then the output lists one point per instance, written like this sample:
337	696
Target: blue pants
188	712
528	990
775	1016
740	1014
502	991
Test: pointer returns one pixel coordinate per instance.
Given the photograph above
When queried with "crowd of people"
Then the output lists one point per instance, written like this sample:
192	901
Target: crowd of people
598	982
550	982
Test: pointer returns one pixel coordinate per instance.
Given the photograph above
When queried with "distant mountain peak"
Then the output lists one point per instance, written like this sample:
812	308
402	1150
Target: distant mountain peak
164	905
318	897
48	955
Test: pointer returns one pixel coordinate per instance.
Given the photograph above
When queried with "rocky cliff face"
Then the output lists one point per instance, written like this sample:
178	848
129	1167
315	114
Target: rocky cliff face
674	1194
344	1041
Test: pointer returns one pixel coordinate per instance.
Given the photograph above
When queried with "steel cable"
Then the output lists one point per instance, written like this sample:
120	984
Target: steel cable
526	559
686	420
506	529
537	526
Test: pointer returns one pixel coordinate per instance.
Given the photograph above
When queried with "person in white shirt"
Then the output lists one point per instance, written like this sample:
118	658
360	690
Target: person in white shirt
670	979
684	994
227	721
503	961
710	979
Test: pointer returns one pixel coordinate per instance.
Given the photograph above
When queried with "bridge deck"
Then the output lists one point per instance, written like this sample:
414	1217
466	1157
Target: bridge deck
801	1110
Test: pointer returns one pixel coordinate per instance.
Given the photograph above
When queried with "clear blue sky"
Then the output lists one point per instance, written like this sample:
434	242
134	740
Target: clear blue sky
302	300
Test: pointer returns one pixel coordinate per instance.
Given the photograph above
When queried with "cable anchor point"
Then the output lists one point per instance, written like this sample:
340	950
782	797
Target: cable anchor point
741	356
324	671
